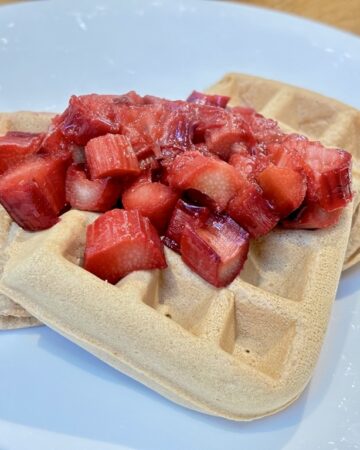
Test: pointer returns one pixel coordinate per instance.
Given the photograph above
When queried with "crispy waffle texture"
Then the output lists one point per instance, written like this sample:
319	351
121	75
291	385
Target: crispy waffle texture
241	352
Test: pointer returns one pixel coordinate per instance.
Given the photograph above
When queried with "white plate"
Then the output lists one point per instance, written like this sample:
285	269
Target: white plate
53	395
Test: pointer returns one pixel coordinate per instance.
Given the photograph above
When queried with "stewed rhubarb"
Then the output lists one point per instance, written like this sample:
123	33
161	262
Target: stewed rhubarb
199	176
119	242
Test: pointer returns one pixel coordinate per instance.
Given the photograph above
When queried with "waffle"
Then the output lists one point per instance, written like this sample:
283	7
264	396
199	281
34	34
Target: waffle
242	352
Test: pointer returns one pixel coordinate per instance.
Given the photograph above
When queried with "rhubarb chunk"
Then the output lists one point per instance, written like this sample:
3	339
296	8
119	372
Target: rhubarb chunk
16	146
89	116
331	181
283	187
220	140
311	216
183	216
111	155
153	200
212	177
90	195
206	99
264	130
33	193
252	211
217	251
247	165
328	170
119	242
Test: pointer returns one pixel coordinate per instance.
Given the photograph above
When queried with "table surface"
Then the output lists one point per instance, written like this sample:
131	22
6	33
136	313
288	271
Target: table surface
344	15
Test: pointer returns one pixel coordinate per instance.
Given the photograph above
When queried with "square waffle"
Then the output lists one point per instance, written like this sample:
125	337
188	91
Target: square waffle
241	352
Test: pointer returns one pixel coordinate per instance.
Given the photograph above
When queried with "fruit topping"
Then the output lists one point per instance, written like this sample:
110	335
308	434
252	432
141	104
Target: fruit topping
217	250
288	152
220	140
248	165
89	116
17	146
184	215
284	188
111	156
148	158
212	177
252	210
33	193
90	195
236	172
312	216
264	131
328	170
119	242
153	200
331	170
206	99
